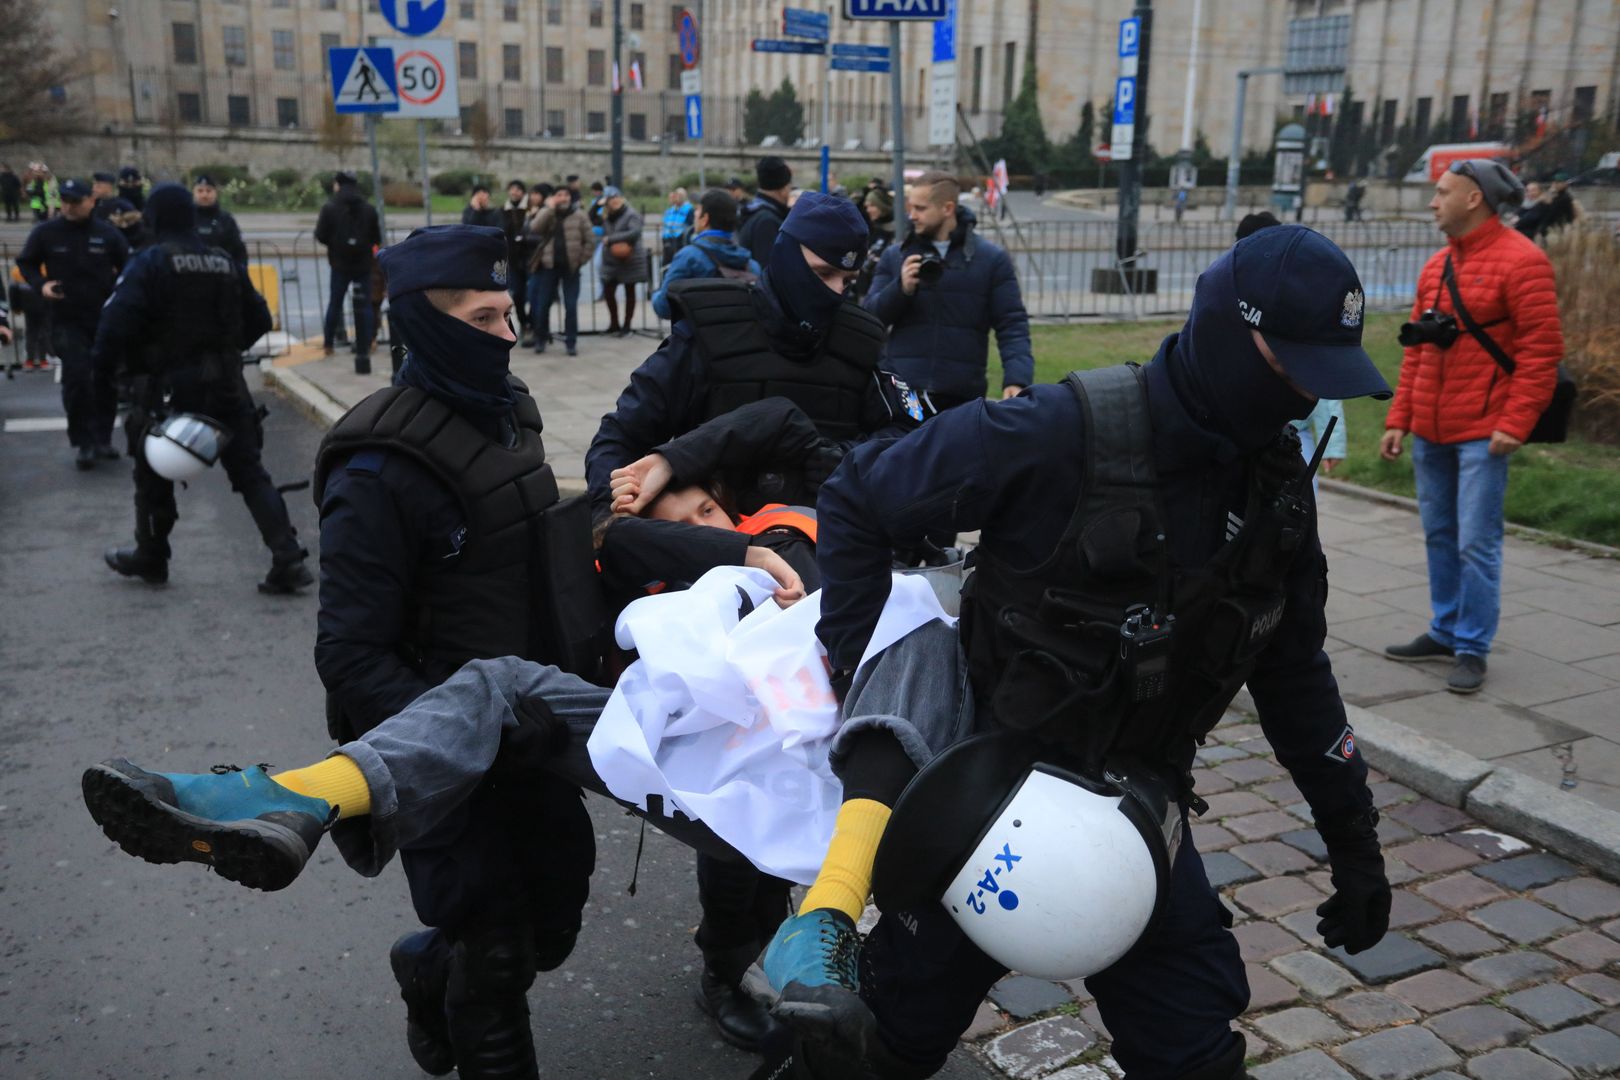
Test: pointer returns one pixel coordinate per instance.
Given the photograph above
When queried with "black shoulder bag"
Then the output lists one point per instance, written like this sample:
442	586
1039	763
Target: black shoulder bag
1553	427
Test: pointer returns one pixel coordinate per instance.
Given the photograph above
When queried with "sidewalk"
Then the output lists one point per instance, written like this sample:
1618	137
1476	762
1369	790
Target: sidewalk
1494	966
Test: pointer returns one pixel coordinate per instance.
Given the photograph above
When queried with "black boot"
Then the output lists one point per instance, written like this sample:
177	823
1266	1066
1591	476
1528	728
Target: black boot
135	561
287	574
421	963
741	1020
485	1001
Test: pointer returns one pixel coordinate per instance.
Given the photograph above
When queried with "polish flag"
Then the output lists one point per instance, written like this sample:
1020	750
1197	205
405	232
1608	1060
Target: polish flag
1327	104
1541	122
635	75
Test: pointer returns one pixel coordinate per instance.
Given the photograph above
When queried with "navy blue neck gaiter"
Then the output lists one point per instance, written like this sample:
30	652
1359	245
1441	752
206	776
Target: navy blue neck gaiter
805	300
454	361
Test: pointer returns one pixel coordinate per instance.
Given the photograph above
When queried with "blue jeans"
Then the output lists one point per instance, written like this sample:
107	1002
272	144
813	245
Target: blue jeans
1461	488
342	281
544	286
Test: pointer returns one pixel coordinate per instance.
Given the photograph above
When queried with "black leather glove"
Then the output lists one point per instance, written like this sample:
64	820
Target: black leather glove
528	747
1356	916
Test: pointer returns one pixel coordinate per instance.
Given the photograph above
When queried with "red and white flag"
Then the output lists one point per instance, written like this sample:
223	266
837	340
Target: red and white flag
635	75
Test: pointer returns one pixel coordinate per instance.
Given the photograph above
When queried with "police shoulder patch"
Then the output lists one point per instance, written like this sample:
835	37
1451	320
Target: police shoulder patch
1344	747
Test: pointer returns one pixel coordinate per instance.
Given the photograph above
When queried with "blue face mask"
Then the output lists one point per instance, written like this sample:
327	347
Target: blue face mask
453	360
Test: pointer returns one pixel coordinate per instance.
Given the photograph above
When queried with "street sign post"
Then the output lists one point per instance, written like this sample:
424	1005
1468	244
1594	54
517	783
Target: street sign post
866	52
942	81
425	75
413	17
363	80
777	45
689	39
1124	133
804	23
694	116
1130	43
895	10
859	63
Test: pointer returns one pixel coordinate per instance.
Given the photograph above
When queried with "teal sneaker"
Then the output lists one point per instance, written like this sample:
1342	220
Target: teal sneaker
813	965
246	826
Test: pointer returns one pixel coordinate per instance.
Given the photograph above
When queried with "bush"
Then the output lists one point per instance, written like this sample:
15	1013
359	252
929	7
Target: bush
223	174
401	193
456	181
283	178
1586	261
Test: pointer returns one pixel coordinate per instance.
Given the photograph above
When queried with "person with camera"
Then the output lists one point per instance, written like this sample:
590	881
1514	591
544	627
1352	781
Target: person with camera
941	292
1488	293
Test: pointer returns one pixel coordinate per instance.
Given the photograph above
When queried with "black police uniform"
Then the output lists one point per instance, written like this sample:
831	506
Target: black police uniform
85	257
122	215
218	227
179	320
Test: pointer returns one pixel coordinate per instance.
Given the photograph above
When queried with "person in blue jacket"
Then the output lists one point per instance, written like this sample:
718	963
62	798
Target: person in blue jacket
712	252
1275	323
940	318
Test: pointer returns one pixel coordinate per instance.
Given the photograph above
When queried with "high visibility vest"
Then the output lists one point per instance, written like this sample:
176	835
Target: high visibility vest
780	515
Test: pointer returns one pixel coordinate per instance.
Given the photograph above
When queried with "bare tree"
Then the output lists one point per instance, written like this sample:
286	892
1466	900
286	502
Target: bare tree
334	131
480	129
35	105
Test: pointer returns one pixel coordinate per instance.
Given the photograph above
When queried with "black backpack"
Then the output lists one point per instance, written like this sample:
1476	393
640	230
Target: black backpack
349	237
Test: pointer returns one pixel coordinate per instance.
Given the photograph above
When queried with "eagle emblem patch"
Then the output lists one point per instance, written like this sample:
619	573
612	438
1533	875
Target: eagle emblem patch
1354	301
497	273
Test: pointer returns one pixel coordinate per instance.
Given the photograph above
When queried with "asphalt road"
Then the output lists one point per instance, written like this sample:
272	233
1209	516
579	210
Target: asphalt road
115	968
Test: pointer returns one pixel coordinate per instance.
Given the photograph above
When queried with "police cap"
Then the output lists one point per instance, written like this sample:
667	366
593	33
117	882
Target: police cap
831	227
446	257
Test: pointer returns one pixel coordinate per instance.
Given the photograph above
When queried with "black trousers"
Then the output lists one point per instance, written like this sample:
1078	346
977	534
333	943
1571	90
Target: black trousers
217	390
741	910
89	394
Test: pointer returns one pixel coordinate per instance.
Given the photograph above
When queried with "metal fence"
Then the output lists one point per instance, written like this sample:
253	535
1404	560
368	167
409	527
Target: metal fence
1066	270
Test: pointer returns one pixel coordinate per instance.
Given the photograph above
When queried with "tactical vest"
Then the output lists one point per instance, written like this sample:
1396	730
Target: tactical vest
201	309
1108	649
496	596
743	365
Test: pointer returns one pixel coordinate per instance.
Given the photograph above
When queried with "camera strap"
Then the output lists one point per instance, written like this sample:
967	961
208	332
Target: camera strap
1489	343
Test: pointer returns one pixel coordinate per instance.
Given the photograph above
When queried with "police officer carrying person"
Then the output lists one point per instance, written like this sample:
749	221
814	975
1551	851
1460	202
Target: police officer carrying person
180	318
215	224
790	335
84	257
1149	546
443	541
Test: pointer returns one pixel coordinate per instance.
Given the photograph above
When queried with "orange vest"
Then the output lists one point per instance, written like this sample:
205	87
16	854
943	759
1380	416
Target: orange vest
780	516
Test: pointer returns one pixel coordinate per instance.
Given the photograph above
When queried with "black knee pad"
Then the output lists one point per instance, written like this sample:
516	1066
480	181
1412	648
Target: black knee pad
492	964
552	947
491	971
1229	1066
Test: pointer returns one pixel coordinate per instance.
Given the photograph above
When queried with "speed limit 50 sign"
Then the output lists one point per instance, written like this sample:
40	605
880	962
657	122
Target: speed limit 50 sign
425	73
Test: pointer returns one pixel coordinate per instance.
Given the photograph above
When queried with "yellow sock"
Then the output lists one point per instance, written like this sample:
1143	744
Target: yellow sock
338	780
846	875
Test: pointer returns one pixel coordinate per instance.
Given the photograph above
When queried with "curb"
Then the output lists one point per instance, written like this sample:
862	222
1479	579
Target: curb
1497	796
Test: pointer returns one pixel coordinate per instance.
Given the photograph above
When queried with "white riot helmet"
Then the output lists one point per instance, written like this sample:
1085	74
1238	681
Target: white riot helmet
1060	875
183	446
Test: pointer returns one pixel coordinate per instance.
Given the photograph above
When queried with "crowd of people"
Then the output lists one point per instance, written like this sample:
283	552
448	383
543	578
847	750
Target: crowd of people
820	416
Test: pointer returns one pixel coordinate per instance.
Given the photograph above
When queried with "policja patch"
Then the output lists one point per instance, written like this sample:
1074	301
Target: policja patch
1344	747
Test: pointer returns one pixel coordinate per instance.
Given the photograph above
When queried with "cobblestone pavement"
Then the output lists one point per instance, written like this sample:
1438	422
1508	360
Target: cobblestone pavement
1500	963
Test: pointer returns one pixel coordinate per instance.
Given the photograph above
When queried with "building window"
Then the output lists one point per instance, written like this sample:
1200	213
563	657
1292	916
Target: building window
238	112
554	123
329	5
1420	122
235	46
280	3
189	107
330	42
185	42
1009	66
512	63
595	123
676	66
1386	127
512	122
554	64
468	9
978	78
595	67
638	125
509	10
554	10
638	16
1585	104
281	46
596	12
675	11
286	112
1496	125
1459	116
467	58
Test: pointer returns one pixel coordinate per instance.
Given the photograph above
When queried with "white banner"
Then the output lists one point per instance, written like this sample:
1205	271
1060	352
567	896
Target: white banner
942	104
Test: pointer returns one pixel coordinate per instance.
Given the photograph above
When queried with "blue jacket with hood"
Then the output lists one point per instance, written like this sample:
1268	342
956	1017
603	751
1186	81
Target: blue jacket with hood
693	261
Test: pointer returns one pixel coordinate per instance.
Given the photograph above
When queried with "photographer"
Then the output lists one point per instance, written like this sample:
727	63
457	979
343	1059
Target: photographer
941	292
1468	412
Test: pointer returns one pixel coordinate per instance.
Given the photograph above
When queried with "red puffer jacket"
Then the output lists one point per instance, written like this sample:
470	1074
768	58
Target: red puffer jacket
1459	394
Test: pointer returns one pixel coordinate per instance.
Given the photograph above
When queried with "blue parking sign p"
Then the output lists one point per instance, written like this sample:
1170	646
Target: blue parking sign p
1130	36
1125	101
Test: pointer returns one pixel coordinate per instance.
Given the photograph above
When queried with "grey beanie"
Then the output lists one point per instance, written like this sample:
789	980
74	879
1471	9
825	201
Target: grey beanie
1501	188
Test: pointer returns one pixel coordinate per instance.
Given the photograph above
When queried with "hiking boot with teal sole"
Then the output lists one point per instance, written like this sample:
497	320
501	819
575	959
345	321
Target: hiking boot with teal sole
249	828
812	964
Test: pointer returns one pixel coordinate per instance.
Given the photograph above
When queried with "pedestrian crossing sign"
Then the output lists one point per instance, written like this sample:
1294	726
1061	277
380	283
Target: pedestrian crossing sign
363	80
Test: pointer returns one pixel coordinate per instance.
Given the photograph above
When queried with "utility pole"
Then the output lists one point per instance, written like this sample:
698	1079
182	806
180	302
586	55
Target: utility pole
618	94
896	88
1234	161
1130	173
1185	155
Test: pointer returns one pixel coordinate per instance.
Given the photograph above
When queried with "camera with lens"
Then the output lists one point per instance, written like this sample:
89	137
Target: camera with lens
931	267
1431	328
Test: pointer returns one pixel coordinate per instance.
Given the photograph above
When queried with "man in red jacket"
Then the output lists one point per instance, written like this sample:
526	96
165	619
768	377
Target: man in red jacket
1466	413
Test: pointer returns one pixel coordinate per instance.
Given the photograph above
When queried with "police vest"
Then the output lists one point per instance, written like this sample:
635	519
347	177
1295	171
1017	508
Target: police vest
201	314
492	598
1106	648
743	365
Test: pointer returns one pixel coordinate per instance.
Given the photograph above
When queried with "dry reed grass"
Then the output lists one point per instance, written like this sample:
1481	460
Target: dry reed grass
1586	260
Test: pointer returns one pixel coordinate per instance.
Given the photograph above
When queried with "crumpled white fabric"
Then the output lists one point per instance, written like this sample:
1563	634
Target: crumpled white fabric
728	720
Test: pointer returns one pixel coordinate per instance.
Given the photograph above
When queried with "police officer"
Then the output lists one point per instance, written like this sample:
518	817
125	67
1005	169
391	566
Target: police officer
117	211
790	335
441	541
179	320
84	258
1149	545
214	223
131	188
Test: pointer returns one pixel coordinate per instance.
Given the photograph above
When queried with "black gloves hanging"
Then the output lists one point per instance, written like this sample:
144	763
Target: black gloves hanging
1356	916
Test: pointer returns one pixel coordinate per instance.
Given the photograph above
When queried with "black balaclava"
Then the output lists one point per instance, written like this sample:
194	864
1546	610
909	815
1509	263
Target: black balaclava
170	211
1217	371
837	232
453	360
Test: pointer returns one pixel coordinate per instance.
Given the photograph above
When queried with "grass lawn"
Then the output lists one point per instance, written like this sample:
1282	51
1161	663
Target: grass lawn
1572	489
